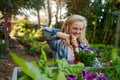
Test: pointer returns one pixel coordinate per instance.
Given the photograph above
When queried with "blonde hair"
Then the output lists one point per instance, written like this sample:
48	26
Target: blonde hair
72	19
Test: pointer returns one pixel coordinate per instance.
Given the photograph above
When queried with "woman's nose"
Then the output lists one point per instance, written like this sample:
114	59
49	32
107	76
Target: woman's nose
78	31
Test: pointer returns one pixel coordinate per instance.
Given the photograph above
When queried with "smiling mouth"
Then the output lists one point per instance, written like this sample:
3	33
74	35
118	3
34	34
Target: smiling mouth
76	35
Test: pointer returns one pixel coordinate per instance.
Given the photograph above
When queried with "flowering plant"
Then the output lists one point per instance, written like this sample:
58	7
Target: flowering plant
93	76
86	55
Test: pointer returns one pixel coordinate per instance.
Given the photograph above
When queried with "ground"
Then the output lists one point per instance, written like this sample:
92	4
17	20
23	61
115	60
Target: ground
7	64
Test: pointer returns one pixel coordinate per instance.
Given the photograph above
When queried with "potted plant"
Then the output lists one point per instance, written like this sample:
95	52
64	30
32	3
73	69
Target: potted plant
87	58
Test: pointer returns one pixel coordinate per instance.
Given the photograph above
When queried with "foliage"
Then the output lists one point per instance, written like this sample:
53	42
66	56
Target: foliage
38	35
101	17
9	8
86	58
24	28
111	71
113	74
58	25
103	51
64	70
37	5
42	71
36	46
78	6
3	48
1	34
30	37
27	30
111	57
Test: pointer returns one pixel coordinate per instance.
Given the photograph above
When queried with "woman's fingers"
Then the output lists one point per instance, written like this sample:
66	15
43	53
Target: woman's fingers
73	41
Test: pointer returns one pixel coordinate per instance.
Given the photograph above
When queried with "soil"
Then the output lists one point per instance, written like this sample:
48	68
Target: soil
7	64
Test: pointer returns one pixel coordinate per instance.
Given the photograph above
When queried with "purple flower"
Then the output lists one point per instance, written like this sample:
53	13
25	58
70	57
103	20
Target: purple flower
89	76
71	77
92	76
102	77
84	73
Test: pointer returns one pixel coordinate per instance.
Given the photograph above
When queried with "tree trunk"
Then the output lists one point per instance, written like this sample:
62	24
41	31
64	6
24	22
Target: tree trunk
38	26
60	10
117	32
7	28
49	13
57	10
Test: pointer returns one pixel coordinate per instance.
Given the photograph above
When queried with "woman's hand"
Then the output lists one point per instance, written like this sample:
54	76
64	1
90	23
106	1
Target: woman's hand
74	44
73	41
69	39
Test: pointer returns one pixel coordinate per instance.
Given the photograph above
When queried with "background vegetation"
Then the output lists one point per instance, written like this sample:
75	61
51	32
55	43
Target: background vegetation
103	19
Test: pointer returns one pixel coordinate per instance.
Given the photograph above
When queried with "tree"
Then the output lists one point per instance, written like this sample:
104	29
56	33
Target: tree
37	5
9	8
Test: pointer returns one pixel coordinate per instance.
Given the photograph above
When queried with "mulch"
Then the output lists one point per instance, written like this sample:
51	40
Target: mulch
7	64
6	69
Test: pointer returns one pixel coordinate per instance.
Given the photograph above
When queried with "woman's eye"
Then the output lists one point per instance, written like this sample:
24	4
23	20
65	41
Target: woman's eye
75	28
81	29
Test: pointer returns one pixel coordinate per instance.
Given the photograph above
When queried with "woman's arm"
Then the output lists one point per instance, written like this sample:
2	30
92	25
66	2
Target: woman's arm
52	35
62	35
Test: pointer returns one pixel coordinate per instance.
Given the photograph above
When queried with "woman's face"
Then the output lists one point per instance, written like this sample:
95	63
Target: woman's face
76	28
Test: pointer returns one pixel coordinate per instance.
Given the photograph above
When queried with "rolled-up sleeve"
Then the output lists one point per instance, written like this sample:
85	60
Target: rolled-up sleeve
50	36
50	33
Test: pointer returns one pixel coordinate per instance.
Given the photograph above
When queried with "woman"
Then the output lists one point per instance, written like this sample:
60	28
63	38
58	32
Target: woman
67	43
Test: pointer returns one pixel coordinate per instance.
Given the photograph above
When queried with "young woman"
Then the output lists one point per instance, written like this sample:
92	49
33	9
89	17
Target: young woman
67	42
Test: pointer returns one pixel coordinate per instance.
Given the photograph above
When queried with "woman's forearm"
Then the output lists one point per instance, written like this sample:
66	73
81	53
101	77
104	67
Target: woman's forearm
62	35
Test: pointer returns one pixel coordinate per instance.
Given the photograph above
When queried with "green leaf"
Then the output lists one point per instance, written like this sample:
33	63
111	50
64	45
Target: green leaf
25	77
50	63
31	69
43	62
117	68
58	63
64	63
74	69
114	54
61	76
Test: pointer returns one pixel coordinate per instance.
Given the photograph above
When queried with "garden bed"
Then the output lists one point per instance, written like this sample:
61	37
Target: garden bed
17	71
